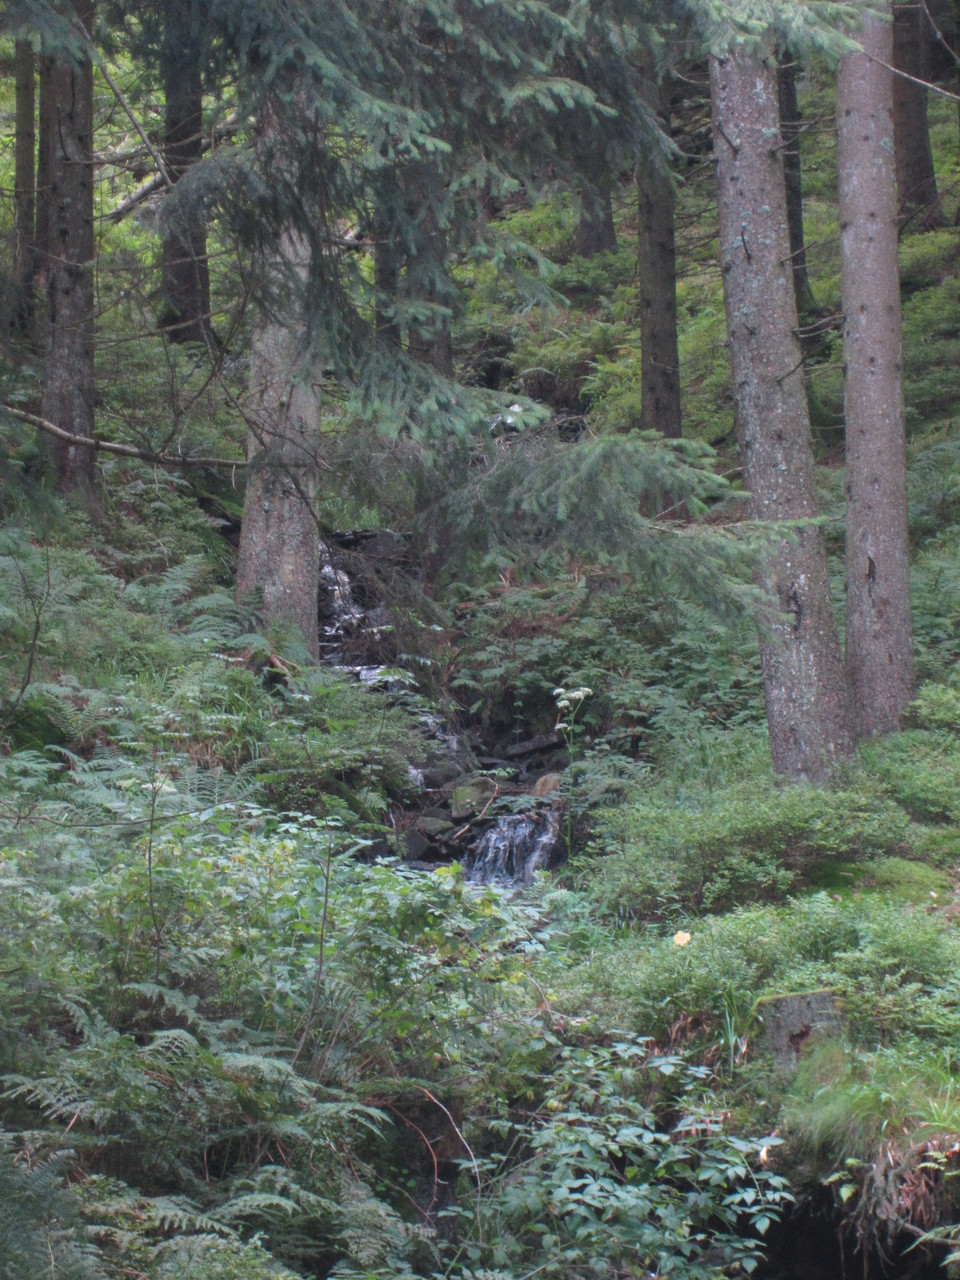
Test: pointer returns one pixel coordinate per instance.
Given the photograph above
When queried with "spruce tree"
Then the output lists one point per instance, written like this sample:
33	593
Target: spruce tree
879	640
802	671
69	392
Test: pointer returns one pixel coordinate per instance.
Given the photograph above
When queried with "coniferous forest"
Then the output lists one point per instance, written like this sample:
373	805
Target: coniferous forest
479	639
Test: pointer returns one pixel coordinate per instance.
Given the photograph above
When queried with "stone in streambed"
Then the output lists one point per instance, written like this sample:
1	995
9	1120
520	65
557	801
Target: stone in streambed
434	826
469	797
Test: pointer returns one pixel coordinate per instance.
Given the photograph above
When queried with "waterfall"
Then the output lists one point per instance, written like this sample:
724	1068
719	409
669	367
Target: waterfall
513	849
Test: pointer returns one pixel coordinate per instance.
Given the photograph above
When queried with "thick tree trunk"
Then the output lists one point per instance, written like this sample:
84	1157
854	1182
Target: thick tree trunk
595	230
69	384
657	268
879	642
185	273
918	196
793	179
24	196
802	670
279	542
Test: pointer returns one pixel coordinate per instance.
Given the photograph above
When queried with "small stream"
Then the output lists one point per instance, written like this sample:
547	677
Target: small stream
514	849
506	849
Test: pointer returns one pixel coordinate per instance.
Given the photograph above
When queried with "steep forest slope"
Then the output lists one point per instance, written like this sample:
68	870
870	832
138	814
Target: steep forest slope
256	1016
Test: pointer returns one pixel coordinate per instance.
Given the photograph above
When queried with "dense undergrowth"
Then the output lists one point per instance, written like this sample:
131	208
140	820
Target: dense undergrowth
237	1041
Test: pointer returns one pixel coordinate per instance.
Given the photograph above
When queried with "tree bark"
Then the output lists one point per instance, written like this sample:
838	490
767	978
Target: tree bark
800	650
793	179
70	384
916	180
657	262
279	542
46	122
431	341
879	641
386	281
185	273
24	198
595	230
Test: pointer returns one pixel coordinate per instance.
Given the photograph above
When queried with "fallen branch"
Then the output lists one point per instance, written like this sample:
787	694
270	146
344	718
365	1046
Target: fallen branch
114	447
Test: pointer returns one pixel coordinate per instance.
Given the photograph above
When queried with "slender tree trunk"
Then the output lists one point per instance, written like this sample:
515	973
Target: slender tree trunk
879	640
47	129
24	197
800	651
916	179
279	542
657	268
793	178
69	385
595	231
386	280
185	273
431	341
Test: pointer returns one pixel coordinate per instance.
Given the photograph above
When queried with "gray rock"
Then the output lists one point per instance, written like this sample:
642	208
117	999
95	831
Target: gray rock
434	826
440	773
470	796
419	847
792	1022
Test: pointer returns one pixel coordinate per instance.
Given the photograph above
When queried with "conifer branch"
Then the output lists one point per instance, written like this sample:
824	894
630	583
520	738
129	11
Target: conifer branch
115	447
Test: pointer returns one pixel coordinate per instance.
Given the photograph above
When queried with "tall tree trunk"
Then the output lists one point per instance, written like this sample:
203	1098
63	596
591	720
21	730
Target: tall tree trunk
24	183
595	230
879	641
657	268
185	273
800	652
432	340
386	280
46	131
793	178
916	179
279	541
69	383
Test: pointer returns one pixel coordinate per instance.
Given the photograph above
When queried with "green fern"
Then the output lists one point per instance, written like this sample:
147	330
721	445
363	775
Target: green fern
41	1232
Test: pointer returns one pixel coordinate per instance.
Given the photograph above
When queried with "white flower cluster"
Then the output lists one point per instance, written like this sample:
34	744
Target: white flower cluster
571	698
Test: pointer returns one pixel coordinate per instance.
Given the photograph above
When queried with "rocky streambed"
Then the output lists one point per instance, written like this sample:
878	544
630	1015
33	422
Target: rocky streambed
498	816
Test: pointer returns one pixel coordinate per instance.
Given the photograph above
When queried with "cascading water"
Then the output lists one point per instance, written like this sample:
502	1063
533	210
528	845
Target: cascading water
343	621
516	847
338	611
